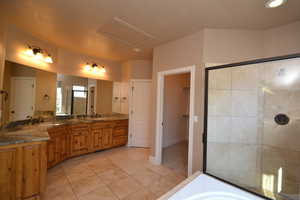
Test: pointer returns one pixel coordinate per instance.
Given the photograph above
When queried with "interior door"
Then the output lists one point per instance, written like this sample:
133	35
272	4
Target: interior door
22	98
140	113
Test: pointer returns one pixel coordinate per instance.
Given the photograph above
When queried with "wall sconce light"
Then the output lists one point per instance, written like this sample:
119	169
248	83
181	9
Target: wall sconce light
94	68
39	54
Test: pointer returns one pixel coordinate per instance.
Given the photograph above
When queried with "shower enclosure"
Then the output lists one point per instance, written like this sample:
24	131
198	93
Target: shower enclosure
252	126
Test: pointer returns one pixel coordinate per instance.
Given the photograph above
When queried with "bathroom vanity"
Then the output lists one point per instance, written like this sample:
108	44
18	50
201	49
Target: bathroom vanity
26	153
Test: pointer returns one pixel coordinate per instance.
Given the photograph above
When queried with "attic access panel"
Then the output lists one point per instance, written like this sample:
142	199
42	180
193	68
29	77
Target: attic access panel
252	127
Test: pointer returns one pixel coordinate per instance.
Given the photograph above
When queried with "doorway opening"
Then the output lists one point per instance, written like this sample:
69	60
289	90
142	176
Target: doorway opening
175	119
176	122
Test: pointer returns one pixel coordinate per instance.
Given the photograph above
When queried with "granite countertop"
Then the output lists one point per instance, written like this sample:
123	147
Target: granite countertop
38	132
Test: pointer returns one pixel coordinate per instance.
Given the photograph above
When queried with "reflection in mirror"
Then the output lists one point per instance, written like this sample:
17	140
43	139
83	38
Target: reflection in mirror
83	96
29	92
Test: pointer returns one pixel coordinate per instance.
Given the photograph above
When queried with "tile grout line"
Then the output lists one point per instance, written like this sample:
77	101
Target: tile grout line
75	195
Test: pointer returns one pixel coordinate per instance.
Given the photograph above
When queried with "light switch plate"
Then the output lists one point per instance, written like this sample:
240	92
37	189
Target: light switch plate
195	118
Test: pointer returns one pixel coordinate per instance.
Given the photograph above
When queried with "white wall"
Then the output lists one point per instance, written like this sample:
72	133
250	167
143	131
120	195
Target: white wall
175	106
136	69
282	40
183	52
227	46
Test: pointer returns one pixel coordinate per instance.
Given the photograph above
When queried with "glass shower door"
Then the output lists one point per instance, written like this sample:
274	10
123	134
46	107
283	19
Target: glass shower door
253	126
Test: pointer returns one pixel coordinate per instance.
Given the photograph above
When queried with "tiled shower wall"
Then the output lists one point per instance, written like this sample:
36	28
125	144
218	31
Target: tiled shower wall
233	128
281	144
244	142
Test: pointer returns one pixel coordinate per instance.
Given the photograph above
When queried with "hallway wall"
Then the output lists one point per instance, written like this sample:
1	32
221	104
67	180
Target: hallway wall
176	105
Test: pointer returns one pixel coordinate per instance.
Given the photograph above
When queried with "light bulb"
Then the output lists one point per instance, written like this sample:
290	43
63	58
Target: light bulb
103	70
274	3
39	56
95	69
29	52
48	59
88	67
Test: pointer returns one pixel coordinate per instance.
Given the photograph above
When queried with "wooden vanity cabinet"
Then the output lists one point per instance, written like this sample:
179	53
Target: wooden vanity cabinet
23	171
101	133
120	133
80	139
58	147
107	138
73	140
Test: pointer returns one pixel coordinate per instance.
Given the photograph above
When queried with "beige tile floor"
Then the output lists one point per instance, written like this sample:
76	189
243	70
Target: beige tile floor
118	174
175	157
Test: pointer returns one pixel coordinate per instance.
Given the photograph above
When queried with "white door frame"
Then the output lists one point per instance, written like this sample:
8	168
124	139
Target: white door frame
159	113
130	114
12	79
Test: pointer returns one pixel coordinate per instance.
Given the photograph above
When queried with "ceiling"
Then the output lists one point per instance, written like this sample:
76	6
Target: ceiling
111	29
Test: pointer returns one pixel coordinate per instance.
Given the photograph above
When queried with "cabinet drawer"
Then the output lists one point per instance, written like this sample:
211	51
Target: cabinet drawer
120	140
99	125
79	126
120	131
121	122
57	131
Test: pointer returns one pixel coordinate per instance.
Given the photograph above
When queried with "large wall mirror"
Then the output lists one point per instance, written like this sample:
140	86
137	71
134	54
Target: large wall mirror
31	92
83	96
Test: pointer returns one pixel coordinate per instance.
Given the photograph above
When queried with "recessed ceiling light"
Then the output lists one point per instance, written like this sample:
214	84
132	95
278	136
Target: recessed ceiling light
274	3
136	49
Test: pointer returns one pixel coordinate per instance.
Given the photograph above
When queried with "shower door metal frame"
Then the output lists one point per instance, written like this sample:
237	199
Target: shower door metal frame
204	136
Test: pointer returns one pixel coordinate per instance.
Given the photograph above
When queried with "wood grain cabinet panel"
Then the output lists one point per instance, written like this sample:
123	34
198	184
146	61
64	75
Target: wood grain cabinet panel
107	138
51	152
31	170
80	140
119	141
58	147
97	139
120	131
62	147
23	171
9	175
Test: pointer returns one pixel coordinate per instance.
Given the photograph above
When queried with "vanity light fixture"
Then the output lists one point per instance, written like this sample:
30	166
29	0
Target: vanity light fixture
94	68
274	3
39	54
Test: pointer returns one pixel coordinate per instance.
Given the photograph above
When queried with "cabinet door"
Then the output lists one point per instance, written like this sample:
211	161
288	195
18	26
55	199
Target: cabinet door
51	153
62	147
97	139
116	101
119	141
31	170
124	98
10	177
106	137
79	143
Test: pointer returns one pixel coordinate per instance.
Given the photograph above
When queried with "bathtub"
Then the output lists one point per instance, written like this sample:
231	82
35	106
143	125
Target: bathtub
204	187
